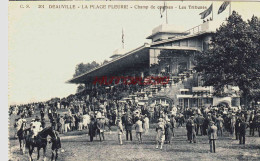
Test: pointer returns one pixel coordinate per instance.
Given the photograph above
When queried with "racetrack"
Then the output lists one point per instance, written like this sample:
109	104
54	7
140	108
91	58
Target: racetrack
76	146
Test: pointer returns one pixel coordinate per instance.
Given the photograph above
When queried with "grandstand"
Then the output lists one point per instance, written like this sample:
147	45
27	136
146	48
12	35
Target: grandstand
170	53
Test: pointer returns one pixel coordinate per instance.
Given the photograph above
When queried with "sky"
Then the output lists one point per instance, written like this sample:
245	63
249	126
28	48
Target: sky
45	45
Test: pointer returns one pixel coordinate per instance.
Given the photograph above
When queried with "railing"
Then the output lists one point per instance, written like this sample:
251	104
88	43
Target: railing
194	30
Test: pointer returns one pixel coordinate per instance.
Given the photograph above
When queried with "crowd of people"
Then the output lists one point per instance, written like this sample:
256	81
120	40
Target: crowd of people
97	108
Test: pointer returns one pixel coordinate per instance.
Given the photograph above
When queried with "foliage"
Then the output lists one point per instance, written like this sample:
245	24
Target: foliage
82	68
233	57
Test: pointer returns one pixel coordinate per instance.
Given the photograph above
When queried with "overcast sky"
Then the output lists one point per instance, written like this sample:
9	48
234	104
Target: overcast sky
45	45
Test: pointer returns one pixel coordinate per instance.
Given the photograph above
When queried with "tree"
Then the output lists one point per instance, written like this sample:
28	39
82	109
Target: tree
233	56
82	68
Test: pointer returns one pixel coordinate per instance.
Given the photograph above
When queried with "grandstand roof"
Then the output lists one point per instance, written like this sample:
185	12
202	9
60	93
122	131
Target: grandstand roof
134	59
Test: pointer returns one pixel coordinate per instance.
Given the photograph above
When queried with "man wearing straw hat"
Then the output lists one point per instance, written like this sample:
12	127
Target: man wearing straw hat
139	129
100	127
160	136
212	133
120	131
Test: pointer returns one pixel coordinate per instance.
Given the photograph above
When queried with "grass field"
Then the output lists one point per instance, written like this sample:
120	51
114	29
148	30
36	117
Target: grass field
76	147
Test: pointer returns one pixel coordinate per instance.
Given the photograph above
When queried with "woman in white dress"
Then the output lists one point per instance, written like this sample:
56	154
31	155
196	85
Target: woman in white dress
160	136
146	125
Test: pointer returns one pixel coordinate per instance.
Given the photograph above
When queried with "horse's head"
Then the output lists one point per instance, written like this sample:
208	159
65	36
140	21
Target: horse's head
49	132
46	132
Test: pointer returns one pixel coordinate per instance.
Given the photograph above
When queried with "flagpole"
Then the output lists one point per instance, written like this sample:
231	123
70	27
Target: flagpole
123	41
212	11
230	8
166	13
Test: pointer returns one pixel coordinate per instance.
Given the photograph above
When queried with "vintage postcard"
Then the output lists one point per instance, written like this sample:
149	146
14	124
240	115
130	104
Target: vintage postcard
133	80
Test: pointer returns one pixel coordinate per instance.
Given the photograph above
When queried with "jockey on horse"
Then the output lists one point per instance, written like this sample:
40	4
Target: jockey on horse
21	132
35	128
19	123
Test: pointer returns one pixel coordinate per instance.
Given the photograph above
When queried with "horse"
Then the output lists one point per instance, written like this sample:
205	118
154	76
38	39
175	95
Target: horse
21	133
56	144
40	141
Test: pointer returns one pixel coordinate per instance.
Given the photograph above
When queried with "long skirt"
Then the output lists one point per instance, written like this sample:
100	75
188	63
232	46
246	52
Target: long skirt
160	137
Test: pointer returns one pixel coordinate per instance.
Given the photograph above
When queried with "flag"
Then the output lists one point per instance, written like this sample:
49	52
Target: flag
205	13
162	9
223	7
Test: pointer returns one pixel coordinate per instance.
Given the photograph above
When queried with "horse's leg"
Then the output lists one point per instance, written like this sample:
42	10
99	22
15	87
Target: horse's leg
52	155
20	143
44	153
30	153
56	154
23	146
38	153
29	156
109	128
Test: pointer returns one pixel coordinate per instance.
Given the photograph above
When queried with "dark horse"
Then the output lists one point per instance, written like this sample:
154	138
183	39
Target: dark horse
40	141
55	145
21	133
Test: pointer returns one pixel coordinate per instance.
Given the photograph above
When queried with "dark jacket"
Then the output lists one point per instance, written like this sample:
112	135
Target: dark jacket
242	128
190	126
92	128
200	120
129	122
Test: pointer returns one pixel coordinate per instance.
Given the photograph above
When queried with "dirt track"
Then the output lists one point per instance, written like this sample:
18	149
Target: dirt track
76	146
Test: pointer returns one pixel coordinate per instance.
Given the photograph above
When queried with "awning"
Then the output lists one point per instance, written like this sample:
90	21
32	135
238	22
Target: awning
195	89
175	48
184	96
139	56
132	60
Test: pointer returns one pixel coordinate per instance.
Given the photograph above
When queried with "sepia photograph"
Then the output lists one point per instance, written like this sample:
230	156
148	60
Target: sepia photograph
133	80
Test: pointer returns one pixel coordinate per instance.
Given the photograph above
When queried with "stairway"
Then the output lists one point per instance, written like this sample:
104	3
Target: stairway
173	90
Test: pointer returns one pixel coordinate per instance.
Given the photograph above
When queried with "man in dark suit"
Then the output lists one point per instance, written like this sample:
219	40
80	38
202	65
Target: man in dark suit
212	133
237	124
242	131
206	123
42	113
199	124
190	126
252	122
128	125
258	122
92	129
